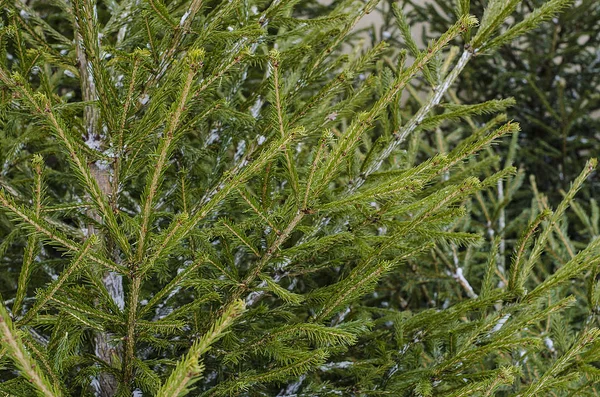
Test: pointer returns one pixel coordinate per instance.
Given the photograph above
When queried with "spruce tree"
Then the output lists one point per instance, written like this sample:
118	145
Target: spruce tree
230	198
553	73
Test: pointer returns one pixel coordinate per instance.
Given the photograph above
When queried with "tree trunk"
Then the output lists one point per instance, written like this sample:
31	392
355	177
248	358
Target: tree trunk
105	351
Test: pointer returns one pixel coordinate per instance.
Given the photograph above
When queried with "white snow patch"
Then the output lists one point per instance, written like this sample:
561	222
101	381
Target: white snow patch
184	17
96	386
255	109
340	318
253	297
119	82
213	137
500	323
92	142
114	285
338	365
292	388
102	165
70	74
549	344
522	352
459	276
241	149
212	376
144	99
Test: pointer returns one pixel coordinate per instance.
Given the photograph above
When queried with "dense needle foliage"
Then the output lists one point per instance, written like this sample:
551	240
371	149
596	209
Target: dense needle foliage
553	72
232	198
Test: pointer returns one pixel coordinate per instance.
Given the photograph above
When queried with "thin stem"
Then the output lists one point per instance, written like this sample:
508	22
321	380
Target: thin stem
55	286
279	106
120	134
158	168
416	120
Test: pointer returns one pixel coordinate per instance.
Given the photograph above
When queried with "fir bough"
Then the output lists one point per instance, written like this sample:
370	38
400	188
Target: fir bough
211	199
552	72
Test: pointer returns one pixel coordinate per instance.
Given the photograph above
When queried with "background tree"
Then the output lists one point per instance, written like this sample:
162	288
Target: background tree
552	72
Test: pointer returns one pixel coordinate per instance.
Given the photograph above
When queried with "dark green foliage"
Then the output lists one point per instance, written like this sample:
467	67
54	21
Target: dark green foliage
225	198
553	72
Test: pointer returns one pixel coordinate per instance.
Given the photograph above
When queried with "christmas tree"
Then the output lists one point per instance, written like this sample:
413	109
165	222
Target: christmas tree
553	73
232	198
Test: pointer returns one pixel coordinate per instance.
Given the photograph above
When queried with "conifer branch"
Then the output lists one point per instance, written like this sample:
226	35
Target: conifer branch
41	105
252	204
491	269
40	356
364	121
32	241
415	121
121	131
55	286
313	168
221	72
353	289
26	269
581	262
152	183
31	22
245	381
171	285
272	250
164	243
129	354
530	22
254	273
41	227
72	305
151	190
161	11
366	9
502	377
240	236
275	61
316	333
516	269
185	230
12	341
181	30
189	368
586	338
540	242
233	179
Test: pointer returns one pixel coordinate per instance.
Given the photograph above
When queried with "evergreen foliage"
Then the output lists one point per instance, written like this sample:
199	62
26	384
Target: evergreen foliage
225	198
552	72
